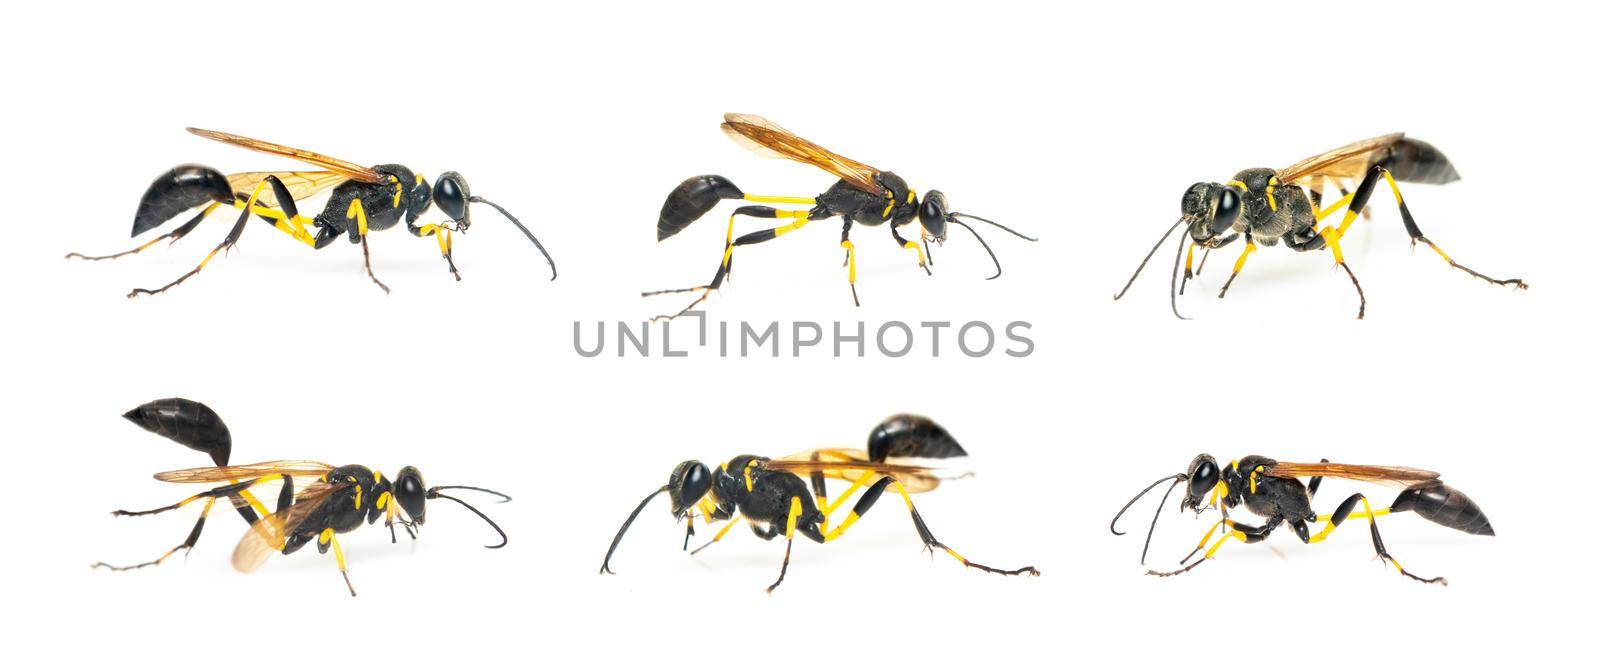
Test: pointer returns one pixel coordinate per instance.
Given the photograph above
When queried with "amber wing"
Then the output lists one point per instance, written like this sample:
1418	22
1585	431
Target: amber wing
1348	161
236	473
1402	477
344	167
269	534
770	139
848	464
301	185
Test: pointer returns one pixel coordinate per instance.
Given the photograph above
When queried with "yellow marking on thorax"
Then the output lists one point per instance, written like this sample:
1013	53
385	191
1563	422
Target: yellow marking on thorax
1272	203
397	190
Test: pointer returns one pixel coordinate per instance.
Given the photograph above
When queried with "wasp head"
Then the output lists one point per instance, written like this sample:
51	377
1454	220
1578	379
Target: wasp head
1202	476
1210	209
690	482
934	215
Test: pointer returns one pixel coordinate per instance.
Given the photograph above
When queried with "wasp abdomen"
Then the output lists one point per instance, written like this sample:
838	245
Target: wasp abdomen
1416	161
691	200
1446	506
178	190
187	422
911	436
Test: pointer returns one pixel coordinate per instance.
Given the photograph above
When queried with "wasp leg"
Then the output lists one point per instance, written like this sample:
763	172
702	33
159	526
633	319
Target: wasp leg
795	509
175	235
1343	513
1247	533
327	540
850	260
922	259
1188	261
186	546
358	212
1316	482
725	268
238	494
1358	204
443	234
871	496
720	533
1249	248
231	239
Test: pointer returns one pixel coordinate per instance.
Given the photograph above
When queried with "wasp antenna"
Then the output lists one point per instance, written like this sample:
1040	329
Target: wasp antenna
605	567
503	497
524	230
1146	260
985	244
433	493
985	220
1172	285
1176	479
1147	489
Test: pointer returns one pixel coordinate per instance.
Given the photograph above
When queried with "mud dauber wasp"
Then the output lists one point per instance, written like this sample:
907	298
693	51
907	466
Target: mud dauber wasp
1271	490
1267	206
364	199
772	497
863	194
328	500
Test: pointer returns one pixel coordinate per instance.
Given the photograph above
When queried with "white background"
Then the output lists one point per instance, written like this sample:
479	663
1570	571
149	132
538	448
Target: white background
1081	125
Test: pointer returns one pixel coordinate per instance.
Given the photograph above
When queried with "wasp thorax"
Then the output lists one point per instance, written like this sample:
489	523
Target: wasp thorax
412	494
689	482
932	214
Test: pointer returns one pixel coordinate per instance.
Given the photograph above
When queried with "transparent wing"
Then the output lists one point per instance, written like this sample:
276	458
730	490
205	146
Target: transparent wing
233	473
344	167
1402	477
772	140
1348	161
301	185
269	533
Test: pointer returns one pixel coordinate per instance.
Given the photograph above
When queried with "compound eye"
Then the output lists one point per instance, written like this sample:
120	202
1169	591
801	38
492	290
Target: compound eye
932	213
450	193
1227	211
1203	479
411	493
690	482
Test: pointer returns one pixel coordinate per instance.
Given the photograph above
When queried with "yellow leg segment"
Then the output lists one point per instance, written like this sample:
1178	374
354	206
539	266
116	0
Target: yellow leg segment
780	199
719	535
328	538
294	227
795	509
1249	248
359	213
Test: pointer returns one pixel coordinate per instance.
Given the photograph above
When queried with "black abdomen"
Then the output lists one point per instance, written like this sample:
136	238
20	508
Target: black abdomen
178	190
187	422
1446	506
911	436
691	200
1416	161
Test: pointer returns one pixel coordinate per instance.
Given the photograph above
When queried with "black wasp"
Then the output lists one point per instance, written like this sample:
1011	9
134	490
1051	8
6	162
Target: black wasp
1272	490
364	199
316	501
863	194
1266	206
772	498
